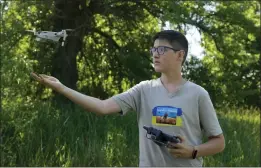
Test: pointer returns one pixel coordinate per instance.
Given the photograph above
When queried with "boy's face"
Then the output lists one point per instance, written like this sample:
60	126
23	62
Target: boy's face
166	59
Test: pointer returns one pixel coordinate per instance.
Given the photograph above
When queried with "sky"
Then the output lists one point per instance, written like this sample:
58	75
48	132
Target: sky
194	40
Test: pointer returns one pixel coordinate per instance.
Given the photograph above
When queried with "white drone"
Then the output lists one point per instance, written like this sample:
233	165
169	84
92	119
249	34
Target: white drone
52	36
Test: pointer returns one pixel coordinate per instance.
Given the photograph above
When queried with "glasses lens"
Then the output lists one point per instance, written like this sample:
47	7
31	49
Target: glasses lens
152	50
161	50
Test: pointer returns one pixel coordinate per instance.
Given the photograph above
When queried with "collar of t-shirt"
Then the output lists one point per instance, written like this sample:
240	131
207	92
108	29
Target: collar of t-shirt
172	94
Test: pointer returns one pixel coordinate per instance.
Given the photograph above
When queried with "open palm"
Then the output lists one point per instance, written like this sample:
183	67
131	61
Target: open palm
48	81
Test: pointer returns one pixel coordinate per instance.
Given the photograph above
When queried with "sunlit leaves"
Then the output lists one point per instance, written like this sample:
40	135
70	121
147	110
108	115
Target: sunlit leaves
117	36
231	38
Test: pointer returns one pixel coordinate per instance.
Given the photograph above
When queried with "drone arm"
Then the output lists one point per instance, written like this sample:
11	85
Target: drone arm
64	36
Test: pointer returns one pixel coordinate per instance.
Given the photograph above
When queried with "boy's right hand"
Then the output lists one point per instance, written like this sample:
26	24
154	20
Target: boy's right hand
48	81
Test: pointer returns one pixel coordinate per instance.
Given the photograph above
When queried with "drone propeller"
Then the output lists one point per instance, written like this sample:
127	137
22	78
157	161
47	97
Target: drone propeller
30	30
68	29
33	31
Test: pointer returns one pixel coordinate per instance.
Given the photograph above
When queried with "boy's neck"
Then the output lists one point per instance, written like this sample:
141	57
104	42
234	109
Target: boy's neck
171	78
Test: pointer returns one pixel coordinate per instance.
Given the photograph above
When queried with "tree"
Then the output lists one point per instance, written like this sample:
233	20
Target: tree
231	38
108	51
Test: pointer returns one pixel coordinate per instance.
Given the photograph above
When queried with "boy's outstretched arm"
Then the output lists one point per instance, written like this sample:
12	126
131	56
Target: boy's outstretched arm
89	103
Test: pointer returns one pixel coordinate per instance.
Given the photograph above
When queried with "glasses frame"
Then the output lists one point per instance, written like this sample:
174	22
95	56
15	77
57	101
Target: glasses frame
157	49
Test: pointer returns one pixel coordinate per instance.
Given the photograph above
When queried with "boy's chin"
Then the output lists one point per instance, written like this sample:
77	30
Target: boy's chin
158	70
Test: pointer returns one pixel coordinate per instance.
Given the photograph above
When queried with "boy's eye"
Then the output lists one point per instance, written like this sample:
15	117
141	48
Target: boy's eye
161	49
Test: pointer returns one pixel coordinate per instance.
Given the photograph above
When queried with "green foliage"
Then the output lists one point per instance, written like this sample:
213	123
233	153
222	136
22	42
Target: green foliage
113	55
231	39
115	46
42	135
197	71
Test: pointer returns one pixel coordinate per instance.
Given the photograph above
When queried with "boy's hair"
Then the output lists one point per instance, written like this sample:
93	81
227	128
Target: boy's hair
176	39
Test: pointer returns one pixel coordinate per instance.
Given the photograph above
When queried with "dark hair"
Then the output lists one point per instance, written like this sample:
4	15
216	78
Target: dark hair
176	39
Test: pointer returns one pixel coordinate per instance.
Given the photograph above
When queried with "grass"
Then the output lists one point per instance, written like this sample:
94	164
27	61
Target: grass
241	129
46	136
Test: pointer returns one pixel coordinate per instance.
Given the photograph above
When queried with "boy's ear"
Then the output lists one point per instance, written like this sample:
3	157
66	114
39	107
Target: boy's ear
181	55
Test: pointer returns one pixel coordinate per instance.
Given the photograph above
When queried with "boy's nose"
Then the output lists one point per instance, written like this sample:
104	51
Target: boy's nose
155	54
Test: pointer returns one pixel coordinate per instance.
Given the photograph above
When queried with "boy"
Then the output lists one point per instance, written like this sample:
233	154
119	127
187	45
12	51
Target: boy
188	108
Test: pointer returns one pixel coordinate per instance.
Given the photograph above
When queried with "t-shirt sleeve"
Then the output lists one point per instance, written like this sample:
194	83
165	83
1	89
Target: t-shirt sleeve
130	99
208	116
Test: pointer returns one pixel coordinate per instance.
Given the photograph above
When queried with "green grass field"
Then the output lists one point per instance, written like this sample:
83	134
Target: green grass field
44	136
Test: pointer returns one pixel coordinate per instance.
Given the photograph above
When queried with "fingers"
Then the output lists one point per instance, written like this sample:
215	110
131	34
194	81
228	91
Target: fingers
175	152
41	77
50	78
181	150
170	145
175	145
36	77
45	76
182	138
33	74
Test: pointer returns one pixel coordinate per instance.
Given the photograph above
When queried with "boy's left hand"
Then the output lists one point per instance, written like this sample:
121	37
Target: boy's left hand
180	150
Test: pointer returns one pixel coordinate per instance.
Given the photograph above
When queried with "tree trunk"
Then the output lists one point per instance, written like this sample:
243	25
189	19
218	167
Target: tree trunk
64	64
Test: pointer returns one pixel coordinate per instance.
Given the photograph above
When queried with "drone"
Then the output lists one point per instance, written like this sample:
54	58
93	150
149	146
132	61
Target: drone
51	36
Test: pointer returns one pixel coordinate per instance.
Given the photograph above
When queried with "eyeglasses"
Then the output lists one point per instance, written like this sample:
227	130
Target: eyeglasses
161	49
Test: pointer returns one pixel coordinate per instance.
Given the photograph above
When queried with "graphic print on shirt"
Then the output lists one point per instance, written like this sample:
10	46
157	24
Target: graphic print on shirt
166	116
